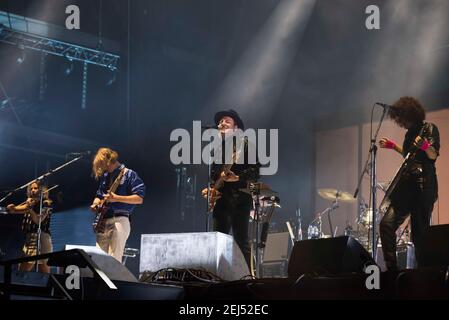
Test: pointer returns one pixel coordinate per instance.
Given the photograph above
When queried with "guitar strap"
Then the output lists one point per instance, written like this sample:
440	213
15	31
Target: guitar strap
114	176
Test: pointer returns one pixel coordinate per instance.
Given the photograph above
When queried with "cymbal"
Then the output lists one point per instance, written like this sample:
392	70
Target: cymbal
261	188
334	194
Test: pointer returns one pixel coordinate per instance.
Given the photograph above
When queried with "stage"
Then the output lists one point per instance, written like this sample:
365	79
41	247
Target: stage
216	150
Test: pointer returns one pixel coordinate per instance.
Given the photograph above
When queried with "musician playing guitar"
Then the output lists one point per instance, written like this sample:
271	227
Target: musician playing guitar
117	206
30	224
232	207
417	189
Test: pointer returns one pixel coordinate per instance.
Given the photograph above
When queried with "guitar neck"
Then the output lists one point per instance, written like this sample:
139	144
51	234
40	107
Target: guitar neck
117	181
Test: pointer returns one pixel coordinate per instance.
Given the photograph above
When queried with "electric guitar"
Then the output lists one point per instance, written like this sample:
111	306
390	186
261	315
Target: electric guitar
403	169
215	194
102	207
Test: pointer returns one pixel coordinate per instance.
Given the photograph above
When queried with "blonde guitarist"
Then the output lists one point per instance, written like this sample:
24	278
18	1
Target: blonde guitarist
230	206
119	205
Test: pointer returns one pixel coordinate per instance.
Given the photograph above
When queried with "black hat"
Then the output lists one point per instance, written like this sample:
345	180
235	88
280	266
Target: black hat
232	114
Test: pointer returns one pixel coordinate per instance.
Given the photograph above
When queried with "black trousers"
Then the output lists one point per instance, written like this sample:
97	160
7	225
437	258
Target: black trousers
232	212
415	196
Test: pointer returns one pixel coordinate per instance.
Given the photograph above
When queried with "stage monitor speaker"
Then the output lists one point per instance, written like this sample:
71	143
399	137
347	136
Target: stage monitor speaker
328	257
109	265
435	250
215	252
12	237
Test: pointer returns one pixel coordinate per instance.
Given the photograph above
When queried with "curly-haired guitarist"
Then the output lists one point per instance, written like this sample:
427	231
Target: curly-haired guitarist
417	190
118	205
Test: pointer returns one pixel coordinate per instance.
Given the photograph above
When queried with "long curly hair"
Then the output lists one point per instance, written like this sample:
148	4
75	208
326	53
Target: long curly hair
41	188
407	110
102	160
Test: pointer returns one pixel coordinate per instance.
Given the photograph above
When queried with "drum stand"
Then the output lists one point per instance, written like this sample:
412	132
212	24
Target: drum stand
327	211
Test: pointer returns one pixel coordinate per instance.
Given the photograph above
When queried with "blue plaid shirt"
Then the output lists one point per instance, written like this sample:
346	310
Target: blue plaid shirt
131	184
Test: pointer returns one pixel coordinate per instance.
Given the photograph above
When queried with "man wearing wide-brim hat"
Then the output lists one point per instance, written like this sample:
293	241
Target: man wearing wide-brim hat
232	209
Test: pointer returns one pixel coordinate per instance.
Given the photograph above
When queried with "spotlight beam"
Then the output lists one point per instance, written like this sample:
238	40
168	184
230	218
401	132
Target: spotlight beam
255	83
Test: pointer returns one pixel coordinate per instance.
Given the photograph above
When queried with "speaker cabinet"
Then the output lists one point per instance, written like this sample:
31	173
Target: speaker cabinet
328	257
435	250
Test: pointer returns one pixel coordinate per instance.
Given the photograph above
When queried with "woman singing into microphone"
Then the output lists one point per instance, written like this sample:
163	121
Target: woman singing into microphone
417	190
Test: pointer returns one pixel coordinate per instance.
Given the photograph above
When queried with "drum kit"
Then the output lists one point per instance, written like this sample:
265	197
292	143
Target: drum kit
266	200
336	196
364	219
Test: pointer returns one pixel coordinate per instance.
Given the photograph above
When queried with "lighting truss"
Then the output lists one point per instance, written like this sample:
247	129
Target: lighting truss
71	52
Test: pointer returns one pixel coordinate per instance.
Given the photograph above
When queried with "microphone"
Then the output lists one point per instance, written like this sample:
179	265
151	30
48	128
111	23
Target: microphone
384	105
82	153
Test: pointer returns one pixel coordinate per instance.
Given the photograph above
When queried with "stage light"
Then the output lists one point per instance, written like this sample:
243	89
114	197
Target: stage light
112	80
22	58
68	57
68	70
84	87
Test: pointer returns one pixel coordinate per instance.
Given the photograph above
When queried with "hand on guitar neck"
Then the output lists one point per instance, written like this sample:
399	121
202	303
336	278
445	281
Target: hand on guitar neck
225	176
229	176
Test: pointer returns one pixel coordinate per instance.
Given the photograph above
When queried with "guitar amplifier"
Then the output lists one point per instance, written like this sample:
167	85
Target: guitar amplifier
277	248
278	269
275	255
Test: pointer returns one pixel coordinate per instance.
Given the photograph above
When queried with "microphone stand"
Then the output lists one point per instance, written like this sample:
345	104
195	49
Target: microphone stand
209	181
45	175
372	155
39	227
299	231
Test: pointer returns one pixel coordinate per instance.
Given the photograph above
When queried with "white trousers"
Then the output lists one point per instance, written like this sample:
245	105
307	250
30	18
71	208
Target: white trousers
113	240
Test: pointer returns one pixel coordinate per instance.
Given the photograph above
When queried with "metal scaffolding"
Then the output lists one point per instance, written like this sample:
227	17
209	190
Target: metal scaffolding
25	40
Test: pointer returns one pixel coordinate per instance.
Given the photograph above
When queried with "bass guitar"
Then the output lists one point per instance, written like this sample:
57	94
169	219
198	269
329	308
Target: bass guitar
99	222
